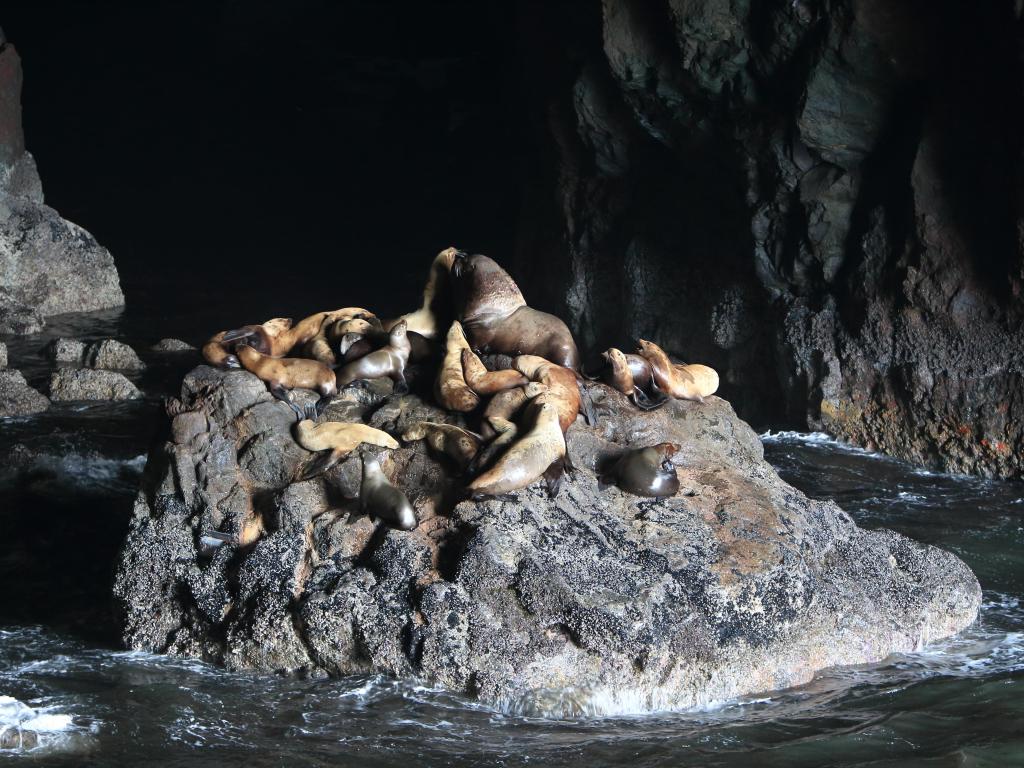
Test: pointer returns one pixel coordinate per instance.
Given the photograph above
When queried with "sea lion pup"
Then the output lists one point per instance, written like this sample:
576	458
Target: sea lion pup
379	498
451	389
282	374
278	337
429	319
496	317
457	443
535	454
485	382
631	375
683	382
387	361
644	471
334	440
219	354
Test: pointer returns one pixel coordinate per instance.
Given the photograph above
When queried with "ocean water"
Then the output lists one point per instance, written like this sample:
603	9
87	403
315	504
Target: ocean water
67	479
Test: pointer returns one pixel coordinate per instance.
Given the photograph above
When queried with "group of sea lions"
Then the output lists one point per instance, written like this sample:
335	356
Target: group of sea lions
471	307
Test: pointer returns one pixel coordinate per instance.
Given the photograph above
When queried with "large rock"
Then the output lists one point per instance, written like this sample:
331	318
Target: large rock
17	398
594	601
47	264
111	354
89	384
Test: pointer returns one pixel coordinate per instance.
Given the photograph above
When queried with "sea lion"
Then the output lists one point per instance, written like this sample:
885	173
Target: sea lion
451	389
683	382
496	317
353	346
457	443
279	336
485	382
429	319
632	376
541	448
644	471
379	498
497	425
562	389
340	328
334	440
420	347
387	361
503	405
286	373
217	353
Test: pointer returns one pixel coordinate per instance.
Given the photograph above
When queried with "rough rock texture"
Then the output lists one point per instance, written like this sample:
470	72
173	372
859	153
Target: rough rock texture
17	398
594	601
47	265
172	345
3	355
89	384
820	199
66	351
114	355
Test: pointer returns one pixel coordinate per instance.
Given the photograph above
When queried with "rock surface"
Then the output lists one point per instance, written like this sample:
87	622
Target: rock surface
89	384
821	200
47	264
3	355
172	345
17	398
66	351
594	601
111	354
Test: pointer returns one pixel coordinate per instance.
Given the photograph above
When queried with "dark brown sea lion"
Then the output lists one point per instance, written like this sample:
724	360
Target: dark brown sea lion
379	498
389	361
283	374
644	471
683	382
496	318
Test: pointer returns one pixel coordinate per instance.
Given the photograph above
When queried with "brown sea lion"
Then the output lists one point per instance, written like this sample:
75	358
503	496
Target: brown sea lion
504	405
562	388
279	336
334	440
451	389
632	376
496	317
485	382
644	471
528	458
683	382
216	352
430	319
379	498
283	374
387	361
353	346
457	443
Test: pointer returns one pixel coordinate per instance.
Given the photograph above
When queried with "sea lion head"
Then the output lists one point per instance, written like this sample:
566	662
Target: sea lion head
277	325
483	289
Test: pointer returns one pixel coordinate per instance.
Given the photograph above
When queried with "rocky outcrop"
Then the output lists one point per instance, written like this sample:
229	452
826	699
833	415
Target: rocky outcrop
820	199
47	264
89	384
108	354
17	398
172	346
593	601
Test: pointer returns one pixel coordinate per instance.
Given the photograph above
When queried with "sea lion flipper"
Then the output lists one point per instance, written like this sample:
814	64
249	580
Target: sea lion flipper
285	396
320	463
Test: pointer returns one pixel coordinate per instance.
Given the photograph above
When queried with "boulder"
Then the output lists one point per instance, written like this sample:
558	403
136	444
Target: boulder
66	351
594	601
89	384
172	345
17	398
110	354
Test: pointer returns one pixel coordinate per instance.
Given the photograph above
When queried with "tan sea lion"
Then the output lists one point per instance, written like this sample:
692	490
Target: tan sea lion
496	318
389	361
286	373
217	353
379	498
436	310
333	441
451	389
530	457
485	382
503	405
683	382
278	337
562	389
644	471
457	443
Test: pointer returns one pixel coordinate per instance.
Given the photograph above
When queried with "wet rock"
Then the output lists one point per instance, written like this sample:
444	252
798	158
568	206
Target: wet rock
594	601
172	346
47	264
110	354
14	737
17	398
89	384
3	355
70	351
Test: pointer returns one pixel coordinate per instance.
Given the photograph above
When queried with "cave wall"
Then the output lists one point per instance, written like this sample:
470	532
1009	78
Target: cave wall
821	198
